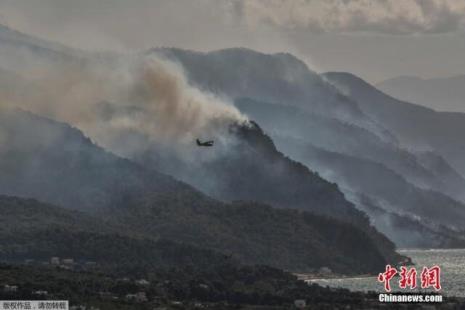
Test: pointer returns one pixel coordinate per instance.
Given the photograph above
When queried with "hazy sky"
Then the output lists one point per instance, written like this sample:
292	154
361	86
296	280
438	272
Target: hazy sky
376	39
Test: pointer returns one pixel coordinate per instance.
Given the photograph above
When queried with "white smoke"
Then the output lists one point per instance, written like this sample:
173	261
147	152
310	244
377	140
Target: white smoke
127	103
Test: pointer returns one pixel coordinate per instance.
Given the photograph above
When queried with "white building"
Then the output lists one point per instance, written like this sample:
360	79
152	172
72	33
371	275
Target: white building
300	303
40	293
142	282
55	260
10	288
138	297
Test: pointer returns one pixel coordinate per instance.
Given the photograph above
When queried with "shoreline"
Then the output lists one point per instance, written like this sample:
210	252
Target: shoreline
313	277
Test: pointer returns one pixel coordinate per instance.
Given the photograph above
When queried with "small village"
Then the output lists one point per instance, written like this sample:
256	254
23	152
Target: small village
132	293
136	293
87	287
126	292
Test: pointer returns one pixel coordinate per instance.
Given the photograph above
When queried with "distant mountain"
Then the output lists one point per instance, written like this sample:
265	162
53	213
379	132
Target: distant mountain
440	94
373	184
53	162
337	136
28	55
250	170
313	193
277	78
336	120
415	126
362	164
288	99
246	73
311	189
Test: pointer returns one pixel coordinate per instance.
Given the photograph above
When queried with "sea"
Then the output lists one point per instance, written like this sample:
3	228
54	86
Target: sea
451	262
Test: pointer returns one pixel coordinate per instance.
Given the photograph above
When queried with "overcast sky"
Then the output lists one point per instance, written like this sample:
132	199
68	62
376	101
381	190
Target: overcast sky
375	39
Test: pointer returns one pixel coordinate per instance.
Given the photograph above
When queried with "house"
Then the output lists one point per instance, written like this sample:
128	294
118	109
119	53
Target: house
141	297
142	282
10	288
325	271
130	297
40	293
107	296
138	297
176	303
29	261
55	261
300	303
68	261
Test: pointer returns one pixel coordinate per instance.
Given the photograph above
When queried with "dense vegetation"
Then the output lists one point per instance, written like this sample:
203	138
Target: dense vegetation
218	286
56	163
141	223
256	171
224	286
246	232
33	230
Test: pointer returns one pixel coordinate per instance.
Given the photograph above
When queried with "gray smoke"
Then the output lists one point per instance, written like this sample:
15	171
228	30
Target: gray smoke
146	99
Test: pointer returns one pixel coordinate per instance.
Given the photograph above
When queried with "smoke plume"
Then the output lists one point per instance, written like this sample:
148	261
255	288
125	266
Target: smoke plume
126	103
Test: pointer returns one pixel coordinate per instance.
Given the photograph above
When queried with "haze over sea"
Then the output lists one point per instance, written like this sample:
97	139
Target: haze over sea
451	261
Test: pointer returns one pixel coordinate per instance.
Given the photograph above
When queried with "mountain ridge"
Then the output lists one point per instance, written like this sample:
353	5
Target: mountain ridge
441	94
411	123
157	205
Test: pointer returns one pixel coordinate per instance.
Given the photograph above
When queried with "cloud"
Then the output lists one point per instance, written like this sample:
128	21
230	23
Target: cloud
313	30
356	16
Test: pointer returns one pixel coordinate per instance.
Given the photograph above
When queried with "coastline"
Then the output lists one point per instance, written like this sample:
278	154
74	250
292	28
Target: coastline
315	277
